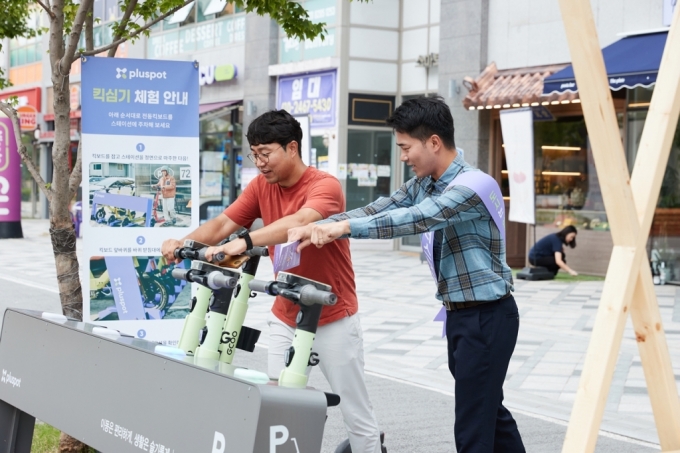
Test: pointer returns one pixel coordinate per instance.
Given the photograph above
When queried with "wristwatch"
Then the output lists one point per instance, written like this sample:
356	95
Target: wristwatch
245	235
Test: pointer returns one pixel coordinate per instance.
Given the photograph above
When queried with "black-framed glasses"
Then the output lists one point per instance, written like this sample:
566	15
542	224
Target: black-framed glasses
264	158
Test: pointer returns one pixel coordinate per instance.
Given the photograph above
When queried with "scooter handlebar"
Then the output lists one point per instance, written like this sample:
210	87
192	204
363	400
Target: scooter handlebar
257	251
217	257
180	274
217	280
261	286
309	295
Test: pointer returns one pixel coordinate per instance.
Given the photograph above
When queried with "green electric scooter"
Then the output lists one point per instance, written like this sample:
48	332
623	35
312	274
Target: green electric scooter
223	330
311	296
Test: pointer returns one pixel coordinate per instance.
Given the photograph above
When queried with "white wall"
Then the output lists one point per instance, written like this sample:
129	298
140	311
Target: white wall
531	32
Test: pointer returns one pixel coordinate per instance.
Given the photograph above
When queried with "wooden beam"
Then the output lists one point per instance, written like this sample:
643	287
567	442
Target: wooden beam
648	173
656	361
600	361
601	121
630	213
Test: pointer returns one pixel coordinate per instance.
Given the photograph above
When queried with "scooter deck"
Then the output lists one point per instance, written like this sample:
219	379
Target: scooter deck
115	392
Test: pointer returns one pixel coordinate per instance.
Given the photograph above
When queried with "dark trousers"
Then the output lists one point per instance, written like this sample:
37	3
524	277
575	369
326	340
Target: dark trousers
548	262
480	343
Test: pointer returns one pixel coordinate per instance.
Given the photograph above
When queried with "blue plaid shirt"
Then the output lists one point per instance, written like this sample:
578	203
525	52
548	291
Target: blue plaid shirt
469	246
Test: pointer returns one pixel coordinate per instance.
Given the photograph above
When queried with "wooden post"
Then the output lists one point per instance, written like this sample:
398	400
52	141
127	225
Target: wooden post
630	209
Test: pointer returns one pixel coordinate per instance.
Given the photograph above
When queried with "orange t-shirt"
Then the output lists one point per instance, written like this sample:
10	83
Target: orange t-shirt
331	264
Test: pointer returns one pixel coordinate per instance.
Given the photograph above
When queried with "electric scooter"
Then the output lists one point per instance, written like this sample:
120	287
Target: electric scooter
223	331
311	296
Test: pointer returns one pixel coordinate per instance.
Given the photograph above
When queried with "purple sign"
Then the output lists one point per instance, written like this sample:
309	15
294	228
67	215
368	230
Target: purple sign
309	94
10	174
125	287
286	256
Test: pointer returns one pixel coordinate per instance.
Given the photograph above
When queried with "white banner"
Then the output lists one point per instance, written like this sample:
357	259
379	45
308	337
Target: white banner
140	187
518	139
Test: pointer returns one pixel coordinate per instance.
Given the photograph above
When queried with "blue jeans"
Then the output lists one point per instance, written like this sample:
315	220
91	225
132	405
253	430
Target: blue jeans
481	340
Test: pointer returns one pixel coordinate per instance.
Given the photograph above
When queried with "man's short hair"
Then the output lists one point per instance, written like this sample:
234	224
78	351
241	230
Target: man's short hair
275	126
423	117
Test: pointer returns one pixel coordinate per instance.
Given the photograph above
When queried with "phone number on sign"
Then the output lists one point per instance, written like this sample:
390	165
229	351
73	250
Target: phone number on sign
308	106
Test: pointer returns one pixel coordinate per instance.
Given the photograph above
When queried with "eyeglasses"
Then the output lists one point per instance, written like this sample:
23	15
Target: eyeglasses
264	158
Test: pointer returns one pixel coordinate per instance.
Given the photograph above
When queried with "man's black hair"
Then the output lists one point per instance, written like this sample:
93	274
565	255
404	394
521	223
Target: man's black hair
562	234
422	117
275	126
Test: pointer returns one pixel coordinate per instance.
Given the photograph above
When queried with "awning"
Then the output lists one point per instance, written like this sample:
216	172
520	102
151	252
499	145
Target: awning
181	14
631	62
512	88
207	108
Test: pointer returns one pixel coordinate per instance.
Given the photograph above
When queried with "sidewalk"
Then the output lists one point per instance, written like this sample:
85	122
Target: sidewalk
403	344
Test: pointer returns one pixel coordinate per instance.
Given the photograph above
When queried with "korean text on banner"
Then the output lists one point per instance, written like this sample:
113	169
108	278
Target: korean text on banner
140	150
309	94
518	139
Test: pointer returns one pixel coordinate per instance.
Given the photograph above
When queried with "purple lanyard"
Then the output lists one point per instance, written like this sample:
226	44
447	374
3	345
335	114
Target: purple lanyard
487	188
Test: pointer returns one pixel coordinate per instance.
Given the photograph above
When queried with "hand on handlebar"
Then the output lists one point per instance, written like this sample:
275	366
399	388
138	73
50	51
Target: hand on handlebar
168	250
232	248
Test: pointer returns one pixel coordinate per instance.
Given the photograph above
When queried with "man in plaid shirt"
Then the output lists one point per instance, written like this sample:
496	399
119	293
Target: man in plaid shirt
474	282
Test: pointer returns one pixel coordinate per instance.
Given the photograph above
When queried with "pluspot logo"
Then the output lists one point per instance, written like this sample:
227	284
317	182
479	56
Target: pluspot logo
123	73
7	378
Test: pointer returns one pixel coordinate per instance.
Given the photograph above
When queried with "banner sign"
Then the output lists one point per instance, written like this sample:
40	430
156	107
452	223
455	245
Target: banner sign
10	174
140	149
517	127
309	94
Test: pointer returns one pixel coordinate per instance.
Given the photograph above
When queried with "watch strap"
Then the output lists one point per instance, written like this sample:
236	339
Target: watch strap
249	242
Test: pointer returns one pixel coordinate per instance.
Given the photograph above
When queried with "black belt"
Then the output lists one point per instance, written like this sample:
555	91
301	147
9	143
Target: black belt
457	306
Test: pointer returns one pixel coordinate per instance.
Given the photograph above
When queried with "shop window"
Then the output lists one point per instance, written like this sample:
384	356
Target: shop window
221	161
319	158
369	166
27	50
566	182
664	236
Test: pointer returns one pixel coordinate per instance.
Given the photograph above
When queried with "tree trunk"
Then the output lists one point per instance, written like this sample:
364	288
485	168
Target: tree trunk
62	231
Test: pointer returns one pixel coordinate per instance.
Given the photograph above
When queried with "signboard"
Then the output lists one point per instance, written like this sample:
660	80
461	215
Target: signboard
518	138
28	118
140	149
198	37
207	75
28	106
309	94
10	174
292	49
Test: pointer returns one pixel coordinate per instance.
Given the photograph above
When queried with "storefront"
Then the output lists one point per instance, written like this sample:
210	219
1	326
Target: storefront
221	156
566	182
213	34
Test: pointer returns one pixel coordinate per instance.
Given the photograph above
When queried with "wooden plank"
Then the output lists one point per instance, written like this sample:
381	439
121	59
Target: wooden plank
648	173
656	361
627	213
601	121
603	351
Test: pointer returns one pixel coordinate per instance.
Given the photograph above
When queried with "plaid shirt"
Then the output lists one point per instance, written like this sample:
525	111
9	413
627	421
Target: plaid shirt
471	251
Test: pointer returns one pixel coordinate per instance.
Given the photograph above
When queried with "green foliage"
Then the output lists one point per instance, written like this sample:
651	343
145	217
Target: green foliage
46	439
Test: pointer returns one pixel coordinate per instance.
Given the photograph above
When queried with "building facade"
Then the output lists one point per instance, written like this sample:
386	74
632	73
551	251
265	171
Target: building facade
482	56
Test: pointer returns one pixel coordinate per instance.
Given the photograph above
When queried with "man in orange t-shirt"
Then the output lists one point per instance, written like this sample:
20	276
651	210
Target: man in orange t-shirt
288	194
